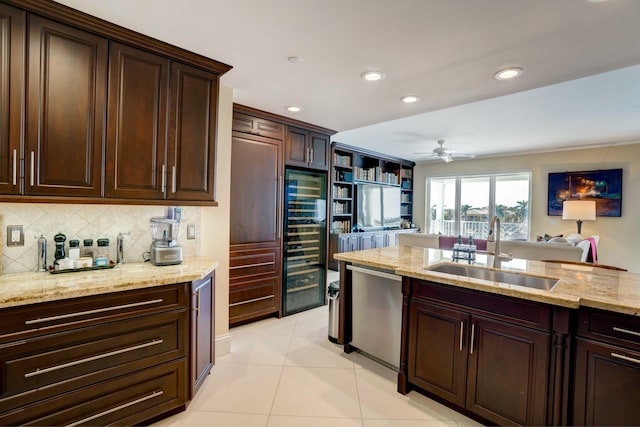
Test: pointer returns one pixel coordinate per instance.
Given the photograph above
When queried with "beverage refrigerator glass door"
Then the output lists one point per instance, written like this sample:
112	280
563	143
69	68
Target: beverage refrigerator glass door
305	221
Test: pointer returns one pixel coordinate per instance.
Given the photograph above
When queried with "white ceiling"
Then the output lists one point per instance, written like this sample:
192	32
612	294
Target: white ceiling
581	85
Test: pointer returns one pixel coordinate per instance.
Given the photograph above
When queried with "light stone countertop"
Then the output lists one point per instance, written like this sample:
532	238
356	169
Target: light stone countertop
579	285
28	288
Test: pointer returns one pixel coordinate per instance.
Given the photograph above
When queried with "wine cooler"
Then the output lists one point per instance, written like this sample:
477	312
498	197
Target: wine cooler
305	221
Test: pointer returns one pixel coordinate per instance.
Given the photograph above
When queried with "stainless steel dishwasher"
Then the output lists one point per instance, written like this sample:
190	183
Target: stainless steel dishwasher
377	314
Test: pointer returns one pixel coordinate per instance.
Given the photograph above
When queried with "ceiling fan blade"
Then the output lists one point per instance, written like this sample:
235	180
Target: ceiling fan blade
463	155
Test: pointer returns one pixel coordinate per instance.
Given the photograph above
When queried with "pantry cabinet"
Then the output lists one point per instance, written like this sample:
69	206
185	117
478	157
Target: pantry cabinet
66	95
12	79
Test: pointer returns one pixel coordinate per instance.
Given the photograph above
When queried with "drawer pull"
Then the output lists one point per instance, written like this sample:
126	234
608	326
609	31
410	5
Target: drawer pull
259	264
98	310
250	301
627	358
117	408
15	167
461	333
92	358
473	335
626	331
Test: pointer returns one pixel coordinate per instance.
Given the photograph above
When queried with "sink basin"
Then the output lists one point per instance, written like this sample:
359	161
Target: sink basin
497	276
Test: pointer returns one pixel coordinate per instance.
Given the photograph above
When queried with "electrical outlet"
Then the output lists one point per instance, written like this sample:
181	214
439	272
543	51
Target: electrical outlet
191	231
15	235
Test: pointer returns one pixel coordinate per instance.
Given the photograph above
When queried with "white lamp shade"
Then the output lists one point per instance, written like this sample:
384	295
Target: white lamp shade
584	210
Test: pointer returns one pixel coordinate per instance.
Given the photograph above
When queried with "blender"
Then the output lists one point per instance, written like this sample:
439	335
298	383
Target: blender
165	249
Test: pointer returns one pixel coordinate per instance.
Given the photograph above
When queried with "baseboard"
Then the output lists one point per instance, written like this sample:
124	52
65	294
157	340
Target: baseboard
223	344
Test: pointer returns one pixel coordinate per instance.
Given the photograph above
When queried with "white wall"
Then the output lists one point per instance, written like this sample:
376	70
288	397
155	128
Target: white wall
619	237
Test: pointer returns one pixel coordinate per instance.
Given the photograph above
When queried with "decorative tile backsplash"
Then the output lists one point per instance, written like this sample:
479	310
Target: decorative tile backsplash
86	222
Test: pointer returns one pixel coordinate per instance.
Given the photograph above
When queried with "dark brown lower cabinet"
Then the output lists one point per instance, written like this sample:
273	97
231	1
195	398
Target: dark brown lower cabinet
607	370
472	350
118	358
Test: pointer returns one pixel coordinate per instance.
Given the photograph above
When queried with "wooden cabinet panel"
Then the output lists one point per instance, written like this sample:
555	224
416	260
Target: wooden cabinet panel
438	351
192	136
257	126
12	77
319	156
256	171
607	378
136	138
65	110
296	149
507	380
252	299
202	332
254	262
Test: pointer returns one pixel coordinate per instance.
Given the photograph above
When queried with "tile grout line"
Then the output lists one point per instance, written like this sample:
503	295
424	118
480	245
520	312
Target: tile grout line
284	363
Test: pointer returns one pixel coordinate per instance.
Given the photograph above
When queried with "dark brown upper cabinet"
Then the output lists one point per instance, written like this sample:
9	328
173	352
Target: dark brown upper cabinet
192	133
257	126
137	114
65	110
306	149
12	48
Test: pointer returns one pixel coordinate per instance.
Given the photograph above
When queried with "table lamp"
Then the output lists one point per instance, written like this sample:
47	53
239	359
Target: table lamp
580	210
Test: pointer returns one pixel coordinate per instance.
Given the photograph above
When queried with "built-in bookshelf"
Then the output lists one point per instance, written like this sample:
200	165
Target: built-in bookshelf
350	165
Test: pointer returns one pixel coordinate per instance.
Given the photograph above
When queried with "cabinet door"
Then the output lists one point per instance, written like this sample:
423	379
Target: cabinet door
379	240
257	126
296	148
136	138
202	332
366	241
12	41
438	350
65	110
606	385
319	151
507	379
256	171
192	136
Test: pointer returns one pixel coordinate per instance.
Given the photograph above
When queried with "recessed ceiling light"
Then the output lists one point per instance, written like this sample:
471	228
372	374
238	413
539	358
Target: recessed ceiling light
373	76
293	108
294	59
508	73
409	99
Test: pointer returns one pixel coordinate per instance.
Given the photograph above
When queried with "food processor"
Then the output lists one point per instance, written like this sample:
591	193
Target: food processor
165	249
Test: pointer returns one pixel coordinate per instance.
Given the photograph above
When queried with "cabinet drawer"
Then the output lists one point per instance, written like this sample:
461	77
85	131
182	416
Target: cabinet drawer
27	321
126	400
45	366
253	298
525	313
257	126
254	262
610	327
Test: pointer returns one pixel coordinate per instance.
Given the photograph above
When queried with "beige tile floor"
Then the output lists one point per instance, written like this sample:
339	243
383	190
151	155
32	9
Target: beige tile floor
285	372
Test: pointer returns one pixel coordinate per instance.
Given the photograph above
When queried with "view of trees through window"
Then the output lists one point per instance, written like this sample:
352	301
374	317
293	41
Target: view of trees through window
464	205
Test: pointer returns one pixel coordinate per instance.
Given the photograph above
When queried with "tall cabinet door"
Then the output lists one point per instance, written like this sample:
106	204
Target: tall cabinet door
319	151
65	110
12	42
136	138
255	194
192	136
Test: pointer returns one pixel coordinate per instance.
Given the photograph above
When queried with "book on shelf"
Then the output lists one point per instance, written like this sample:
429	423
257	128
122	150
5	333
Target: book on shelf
340	207
341	192
343	226
339	160
406	173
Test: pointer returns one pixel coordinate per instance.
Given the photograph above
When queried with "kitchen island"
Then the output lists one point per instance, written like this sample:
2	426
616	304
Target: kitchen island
126	345
509	354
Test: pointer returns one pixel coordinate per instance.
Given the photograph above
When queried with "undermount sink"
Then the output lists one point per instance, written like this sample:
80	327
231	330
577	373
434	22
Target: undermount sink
497	276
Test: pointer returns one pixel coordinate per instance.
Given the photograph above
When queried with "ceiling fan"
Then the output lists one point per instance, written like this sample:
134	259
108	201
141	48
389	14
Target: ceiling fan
446	154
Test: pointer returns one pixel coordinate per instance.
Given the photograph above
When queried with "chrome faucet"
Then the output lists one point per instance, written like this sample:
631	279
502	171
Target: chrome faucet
120	247
494	235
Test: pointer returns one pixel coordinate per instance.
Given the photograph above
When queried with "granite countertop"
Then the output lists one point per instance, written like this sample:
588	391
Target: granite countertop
28	288
578	285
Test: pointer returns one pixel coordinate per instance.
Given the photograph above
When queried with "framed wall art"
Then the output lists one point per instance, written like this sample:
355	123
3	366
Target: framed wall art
603	186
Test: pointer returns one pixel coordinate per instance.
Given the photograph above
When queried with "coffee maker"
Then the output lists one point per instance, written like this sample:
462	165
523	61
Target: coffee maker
165	249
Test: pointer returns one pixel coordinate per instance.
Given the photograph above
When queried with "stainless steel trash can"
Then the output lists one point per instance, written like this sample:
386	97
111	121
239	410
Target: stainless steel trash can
334	310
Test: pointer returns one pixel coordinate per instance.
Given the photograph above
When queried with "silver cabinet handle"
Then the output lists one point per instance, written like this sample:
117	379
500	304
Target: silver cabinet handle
39	371
164	178
626	331
461	333
310	155
473	334
15	167
97	310
173	179
251	300
627	358
117	408
32	178
197	303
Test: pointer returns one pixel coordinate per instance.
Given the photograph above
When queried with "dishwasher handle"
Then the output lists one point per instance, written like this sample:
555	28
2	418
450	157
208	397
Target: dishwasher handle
378	273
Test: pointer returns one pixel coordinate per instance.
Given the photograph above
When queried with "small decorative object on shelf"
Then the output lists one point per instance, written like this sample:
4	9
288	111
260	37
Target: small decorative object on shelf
464	252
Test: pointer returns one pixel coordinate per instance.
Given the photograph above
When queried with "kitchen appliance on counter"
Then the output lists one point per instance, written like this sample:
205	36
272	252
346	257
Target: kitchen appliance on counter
165	249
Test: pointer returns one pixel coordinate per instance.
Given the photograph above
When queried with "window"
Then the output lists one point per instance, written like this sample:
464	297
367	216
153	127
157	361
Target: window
464	205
